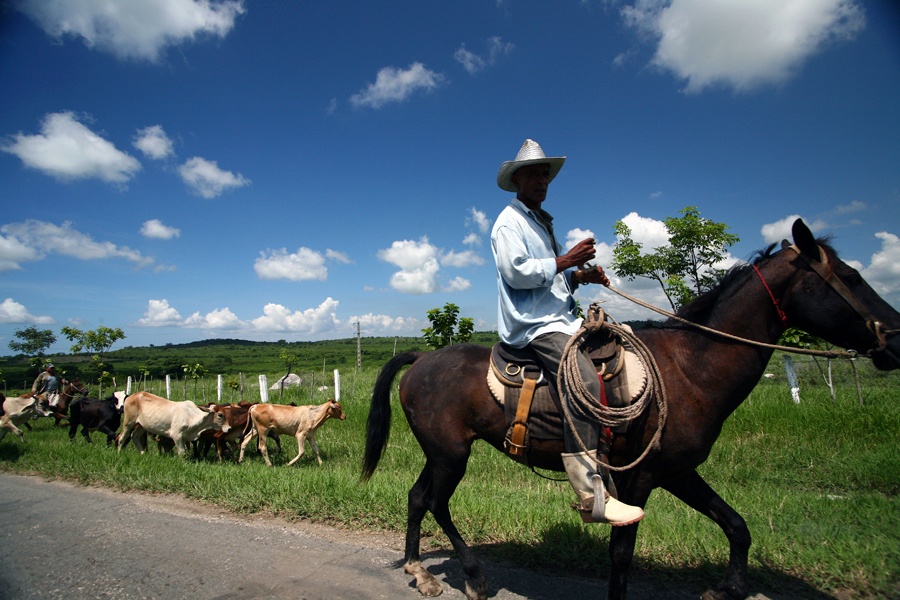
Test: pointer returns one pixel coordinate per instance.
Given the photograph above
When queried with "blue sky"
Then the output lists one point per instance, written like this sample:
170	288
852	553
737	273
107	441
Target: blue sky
283	170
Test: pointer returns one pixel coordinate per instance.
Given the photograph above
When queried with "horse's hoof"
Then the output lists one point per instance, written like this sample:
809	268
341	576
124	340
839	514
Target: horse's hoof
476	589
425	581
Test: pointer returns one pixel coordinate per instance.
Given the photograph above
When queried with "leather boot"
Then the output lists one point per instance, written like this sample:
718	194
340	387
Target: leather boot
588	485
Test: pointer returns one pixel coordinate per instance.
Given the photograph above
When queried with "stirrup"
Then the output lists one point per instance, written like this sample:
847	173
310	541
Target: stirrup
598	513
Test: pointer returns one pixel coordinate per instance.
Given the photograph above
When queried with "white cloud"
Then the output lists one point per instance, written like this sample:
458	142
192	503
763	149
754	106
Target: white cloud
302	265
473	239
217	319
574	236
160	314
479	220
883	272
206	179
474	63
773	233
370	324
340	257
153	142
742	45
419	280
314	320
13	252
466	258
458	284
43	238
155	229
13	312
66	150
133	30
649	233
396	85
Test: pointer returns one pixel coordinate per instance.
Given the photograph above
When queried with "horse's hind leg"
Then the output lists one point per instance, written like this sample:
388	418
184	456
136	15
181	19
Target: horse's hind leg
418	502
434	493
697	494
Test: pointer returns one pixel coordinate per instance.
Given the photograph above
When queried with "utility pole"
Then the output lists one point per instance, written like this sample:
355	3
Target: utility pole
358	348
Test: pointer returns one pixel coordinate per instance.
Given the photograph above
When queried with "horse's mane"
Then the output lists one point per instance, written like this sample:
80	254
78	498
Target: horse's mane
699	309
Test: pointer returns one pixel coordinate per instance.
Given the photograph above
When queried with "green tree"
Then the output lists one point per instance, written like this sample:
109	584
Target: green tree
446	327
98	340
288	359
32	341
685	267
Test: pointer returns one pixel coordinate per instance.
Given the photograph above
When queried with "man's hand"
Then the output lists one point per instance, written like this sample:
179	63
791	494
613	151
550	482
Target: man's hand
594	275
581	253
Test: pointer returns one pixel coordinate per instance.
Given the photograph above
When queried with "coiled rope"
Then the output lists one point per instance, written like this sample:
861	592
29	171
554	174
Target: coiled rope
571	385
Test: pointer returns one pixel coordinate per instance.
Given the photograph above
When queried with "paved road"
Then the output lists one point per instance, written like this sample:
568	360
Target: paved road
59	540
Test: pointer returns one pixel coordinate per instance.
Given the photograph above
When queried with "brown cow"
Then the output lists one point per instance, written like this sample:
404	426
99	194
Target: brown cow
298	421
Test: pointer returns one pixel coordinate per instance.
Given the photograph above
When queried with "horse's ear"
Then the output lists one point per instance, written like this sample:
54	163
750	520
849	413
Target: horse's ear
805	241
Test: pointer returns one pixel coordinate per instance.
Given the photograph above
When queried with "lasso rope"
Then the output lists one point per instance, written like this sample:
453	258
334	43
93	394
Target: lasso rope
824	353
571	385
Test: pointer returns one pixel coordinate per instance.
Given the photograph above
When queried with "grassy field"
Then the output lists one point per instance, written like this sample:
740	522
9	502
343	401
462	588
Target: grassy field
817	482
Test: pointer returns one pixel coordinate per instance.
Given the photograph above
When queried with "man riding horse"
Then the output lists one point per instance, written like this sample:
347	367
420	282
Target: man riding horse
536	309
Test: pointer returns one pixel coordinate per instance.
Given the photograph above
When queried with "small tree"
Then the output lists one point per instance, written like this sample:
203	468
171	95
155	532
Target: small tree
446	328
99	340
289	359
32	341
684	267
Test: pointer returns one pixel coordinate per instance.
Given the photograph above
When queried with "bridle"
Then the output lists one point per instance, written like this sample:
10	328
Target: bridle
824	270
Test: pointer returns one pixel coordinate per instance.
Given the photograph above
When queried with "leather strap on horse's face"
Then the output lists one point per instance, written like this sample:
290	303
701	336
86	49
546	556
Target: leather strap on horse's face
825	271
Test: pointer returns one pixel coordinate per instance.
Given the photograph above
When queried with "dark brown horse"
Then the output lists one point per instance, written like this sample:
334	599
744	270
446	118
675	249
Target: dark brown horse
61	410
448	404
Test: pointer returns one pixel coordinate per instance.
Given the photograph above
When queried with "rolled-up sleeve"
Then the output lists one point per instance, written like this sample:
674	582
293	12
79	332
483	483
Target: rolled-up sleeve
518	268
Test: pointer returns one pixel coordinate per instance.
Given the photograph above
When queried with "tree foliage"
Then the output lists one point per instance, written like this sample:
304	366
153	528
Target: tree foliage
32	341
685	267
447	328
98	340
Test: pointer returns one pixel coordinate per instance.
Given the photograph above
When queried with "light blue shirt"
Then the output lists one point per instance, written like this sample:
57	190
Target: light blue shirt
534	299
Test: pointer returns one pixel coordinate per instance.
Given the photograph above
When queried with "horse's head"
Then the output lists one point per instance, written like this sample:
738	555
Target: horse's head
76	387
831	300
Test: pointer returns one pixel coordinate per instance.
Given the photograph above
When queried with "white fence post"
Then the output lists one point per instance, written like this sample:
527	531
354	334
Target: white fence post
219	389
337	385
263	389
168	387
128	386
792	377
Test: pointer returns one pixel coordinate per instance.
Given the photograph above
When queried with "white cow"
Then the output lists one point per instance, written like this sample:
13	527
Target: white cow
17	411
180	421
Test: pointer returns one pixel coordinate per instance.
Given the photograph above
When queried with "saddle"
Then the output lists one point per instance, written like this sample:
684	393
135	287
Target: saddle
530	398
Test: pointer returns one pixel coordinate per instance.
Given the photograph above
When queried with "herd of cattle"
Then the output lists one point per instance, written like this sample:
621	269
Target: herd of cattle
174	425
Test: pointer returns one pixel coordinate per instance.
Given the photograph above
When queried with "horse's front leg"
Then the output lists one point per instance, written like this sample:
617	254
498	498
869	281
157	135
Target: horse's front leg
696	493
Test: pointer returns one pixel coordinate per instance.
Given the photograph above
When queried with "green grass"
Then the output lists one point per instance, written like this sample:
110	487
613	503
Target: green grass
817	484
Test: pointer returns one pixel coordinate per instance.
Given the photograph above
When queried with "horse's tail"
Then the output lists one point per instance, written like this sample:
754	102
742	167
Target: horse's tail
379	421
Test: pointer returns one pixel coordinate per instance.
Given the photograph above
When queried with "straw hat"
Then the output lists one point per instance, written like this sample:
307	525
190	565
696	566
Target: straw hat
529	154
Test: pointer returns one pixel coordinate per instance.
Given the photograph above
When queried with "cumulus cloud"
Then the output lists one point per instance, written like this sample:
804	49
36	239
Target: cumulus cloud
649	233
133	30
474	63
773	233
371	324
741	45
313	320
41	238
153	142
396	85
66	150
302	265
13	312
419	266
155	229
340	257
275	318
205	178
466	258
160	314
478	220
883	272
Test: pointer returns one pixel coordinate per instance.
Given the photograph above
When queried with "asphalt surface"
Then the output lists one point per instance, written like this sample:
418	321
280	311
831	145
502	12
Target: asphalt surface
66	541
